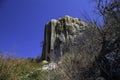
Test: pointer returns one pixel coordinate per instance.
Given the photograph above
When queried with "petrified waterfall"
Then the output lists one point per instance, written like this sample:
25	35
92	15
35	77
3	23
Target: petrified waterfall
58	33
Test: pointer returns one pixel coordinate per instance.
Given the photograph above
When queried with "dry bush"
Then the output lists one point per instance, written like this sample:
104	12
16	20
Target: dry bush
17	69
22	69
78	67
79	62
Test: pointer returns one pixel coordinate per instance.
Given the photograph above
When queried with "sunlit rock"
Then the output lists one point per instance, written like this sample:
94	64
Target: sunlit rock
50	66
59	33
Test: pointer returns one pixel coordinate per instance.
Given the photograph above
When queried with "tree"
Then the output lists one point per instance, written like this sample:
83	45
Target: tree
110	12
108	60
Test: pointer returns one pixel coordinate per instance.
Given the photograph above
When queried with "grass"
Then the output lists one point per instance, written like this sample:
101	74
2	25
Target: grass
70	67
17	69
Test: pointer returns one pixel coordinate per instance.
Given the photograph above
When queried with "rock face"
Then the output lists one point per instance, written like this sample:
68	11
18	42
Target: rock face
59	33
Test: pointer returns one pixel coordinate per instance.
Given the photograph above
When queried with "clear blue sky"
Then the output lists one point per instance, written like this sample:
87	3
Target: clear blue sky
22	22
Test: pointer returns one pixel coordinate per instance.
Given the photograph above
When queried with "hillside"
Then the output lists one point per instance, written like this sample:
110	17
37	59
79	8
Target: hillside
72	50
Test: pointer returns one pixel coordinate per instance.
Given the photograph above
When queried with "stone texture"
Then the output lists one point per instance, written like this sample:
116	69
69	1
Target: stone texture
50	66
58	33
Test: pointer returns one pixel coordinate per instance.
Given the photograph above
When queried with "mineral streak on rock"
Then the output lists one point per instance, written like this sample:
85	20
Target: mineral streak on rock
58	33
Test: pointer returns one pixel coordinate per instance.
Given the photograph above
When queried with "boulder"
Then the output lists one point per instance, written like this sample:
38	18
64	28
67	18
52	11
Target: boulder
50	66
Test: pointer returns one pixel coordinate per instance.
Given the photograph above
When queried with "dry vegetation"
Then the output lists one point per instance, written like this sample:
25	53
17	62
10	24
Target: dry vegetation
18	69
80	62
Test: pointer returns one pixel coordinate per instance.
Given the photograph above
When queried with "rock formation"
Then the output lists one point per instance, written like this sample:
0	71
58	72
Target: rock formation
59	33
73	32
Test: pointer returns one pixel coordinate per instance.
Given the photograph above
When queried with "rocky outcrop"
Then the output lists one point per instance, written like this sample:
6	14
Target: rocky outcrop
59	33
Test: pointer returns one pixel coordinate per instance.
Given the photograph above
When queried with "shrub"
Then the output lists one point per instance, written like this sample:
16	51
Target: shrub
79	67
17	69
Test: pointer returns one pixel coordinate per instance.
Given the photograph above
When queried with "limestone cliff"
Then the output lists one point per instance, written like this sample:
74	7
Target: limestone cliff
58	33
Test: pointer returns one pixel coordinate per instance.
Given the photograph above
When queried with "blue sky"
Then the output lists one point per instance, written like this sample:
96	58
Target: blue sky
22	22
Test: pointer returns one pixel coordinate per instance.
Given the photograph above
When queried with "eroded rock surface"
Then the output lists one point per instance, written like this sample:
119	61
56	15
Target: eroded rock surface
59	33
